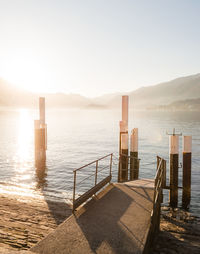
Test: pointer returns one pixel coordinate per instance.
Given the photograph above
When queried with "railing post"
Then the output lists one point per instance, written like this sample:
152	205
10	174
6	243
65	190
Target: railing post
162	180
111	164
74	189
96	172
158	160
164	174
158	210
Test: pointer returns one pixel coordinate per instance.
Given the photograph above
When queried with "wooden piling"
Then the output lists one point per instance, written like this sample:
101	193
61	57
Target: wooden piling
123	130
36	132
124	157
187	161
123	148
40	151
174	154
40	129
134	163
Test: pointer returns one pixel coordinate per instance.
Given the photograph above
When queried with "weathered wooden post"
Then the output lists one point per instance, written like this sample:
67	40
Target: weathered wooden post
134	162
123	130
40	151
174	154
187	161
124	157
123	142
37	134
40	135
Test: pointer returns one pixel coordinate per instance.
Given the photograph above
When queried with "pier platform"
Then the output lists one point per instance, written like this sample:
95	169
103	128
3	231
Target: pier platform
116	220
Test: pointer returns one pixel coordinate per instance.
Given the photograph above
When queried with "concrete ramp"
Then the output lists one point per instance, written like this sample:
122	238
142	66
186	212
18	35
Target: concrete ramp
116	221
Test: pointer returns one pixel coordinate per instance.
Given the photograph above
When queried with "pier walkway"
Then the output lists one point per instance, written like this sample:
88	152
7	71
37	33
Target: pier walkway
116	220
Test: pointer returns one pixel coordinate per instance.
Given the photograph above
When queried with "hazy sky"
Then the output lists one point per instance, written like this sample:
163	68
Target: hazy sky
94	47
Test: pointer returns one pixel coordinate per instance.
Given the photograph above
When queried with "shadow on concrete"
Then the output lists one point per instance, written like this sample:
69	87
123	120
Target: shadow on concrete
145	195
59	209
109	222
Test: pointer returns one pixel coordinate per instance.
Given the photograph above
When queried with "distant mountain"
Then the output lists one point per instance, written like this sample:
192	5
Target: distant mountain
61	100
183	88
178	91
11	96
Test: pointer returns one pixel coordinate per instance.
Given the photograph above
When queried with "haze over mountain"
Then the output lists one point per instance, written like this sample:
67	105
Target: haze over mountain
183	88
11	96
167	93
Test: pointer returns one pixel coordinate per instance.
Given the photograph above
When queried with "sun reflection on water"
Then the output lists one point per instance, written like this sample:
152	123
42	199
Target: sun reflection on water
23	156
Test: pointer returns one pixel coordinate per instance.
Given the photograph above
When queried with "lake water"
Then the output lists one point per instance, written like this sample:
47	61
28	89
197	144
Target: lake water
76	137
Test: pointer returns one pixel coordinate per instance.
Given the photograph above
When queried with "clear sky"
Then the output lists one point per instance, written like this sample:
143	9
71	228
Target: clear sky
92	47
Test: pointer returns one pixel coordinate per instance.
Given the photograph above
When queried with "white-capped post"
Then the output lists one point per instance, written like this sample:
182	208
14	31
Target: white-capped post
125	110
43	124
134	162
174	154
187	162
123	141
42	109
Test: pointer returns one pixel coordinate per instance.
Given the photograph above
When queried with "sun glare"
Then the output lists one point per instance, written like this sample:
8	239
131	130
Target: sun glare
25	71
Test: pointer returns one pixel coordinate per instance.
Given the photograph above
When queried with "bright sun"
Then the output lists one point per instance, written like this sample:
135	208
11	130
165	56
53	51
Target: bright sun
26	71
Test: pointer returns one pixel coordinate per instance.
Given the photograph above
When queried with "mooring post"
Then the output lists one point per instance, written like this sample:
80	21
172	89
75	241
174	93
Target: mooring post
40	135
124	157
37	134
187	161
134	165
123	130
174	153
42	118
40	152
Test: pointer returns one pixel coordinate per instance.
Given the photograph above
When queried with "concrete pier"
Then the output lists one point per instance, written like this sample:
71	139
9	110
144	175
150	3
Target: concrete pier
117	220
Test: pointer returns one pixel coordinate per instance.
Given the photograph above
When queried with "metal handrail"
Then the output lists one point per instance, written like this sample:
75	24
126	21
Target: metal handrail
97	186
92	174
160	182
93	162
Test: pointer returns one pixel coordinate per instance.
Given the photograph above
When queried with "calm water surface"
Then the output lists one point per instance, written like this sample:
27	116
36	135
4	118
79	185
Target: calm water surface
76	137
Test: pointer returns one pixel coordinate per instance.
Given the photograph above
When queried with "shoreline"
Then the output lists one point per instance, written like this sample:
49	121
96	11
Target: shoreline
25	221
179	233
